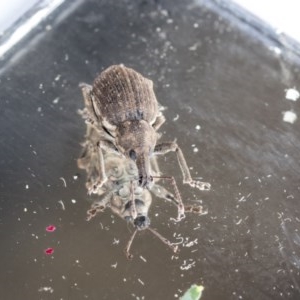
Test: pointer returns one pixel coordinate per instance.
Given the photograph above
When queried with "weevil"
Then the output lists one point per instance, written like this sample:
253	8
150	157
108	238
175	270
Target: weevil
121	191
122	106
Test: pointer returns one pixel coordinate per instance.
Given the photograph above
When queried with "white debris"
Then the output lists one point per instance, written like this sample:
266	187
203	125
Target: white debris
64	181
46	289
195	150
176	118
289	117
114	265
57	77
198	127
292	94
56	100
26	186
143	258
186	265
62	204
116	241
141	282
73	201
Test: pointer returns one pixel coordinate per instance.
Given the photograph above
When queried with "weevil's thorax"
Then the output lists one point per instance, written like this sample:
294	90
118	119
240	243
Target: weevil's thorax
137	135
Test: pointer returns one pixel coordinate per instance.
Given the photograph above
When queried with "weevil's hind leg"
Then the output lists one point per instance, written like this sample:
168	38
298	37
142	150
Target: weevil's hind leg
164	148
161	192
99	206
178	199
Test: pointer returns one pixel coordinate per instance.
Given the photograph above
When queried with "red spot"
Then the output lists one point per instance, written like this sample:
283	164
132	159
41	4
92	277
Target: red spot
50	228
49	251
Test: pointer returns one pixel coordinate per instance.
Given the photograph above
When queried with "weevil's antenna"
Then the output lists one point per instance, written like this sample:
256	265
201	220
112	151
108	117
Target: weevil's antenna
127	249
180	205
164	240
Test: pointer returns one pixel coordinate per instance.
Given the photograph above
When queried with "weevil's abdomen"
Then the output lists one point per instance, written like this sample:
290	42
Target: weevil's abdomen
123	94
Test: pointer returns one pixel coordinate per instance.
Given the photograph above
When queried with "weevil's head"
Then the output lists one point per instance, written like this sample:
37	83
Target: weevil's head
136	140
141	220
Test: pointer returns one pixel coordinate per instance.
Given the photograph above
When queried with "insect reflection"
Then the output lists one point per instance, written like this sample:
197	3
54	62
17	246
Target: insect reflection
121	192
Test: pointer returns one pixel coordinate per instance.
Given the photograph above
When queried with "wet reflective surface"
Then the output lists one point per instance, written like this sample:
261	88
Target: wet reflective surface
224	88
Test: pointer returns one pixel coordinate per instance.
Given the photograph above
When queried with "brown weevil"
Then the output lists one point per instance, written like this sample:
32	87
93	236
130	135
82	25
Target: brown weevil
122	107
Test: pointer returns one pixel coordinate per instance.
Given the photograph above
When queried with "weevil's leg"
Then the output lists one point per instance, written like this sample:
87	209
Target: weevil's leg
154	166
100	165
160	119
89	114
179	204
164	148
164	240
128	246
99	206
160	192
133	211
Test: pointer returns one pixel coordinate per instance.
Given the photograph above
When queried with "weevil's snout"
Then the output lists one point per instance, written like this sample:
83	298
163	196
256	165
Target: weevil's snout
141	222
145	181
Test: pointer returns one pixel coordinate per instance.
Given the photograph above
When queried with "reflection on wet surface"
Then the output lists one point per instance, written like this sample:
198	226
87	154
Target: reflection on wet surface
225	88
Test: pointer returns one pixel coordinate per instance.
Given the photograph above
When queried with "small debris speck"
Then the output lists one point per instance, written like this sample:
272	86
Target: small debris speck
46	289
56	100
73	201
64	181
198	127
289	117
292	94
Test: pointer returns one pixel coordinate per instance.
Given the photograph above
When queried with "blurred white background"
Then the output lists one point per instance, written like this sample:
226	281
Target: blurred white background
284	15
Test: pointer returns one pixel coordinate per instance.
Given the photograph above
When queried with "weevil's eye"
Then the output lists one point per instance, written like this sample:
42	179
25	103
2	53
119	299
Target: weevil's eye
132	154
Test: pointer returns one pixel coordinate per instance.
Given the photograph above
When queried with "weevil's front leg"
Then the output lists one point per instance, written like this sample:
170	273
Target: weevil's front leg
89	112
160	119
164	148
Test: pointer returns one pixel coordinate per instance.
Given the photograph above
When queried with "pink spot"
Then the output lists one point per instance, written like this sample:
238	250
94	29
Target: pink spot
49	251
50	228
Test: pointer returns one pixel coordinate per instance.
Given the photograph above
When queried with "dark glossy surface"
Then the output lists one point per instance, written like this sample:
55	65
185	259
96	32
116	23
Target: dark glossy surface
209	70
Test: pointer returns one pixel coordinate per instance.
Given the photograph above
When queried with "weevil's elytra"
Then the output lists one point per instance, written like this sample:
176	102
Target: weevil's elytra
122	94
122	107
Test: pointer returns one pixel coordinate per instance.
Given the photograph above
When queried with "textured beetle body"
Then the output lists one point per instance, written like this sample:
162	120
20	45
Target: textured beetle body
122	94
121	106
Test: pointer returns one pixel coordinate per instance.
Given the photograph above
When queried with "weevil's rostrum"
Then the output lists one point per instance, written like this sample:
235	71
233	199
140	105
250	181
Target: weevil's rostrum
123	116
